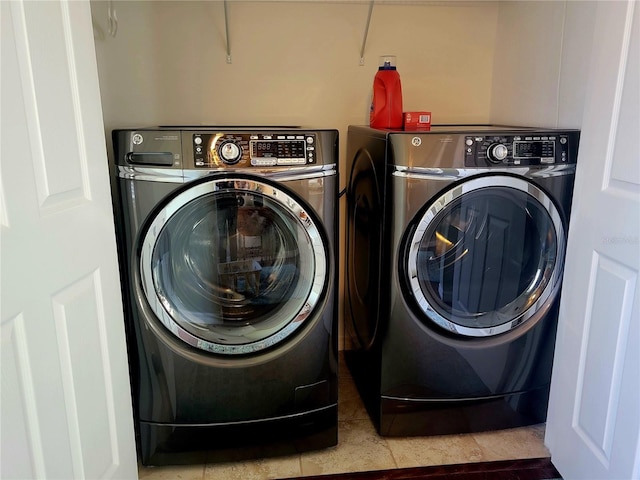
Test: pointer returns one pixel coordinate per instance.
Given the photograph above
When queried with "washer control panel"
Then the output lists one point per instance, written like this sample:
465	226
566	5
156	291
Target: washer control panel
260	149
517	150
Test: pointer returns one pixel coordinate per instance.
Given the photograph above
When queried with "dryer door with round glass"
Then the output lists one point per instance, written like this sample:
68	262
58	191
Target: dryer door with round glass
485	256
364	243
234	265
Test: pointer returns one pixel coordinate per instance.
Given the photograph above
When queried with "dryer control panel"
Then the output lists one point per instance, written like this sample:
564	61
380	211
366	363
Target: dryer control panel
519	150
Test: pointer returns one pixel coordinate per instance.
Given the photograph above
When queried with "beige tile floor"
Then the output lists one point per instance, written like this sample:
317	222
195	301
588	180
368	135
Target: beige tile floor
360	448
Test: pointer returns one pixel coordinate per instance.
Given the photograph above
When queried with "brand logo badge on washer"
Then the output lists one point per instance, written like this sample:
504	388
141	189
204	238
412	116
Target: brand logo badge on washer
416	141
137	139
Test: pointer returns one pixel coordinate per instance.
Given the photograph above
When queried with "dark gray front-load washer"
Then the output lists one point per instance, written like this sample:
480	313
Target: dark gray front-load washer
455	252
227	244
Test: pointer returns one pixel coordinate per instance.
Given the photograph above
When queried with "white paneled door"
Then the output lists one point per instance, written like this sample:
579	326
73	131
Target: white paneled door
593	428
66	404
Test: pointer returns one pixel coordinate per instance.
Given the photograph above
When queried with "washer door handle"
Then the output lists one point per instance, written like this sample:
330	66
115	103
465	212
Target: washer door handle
161	159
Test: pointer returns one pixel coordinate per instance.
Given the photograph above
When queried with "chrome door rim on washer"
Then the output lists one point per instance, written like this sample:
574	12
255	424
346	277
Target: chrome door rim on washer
282	330
443	201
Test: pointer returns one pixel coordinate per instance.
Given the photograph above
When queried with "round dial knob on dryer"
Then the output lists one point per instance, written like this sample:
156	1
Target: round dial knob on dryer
497	152
230	152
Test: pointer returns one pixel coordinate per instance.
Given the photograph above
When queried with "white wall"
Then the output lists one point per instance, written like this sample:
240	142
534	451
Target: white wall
577	43
297	62
541	59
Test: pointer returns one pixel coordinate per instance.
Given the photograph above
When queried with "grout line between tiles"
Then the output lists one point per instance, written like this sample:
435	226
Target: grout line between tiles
300	464
393	457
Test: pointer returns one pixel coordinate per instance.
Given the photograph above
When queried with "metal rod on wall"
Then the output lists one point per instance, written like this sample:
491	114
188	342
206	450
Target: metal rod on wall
366	32
226	28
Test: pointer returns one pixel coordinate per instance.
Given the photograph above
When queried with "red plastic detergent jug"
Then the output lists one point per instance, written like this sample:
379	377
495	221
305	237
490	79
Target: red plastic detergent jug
386	103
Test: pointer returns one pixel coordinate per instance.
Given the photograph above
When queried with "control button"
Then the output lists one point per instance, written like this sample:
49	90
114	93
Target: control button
198	149
310	140
280	137
547	159
299	137
563	140
292	161
263	162
469	142
291	137
469	150
197	140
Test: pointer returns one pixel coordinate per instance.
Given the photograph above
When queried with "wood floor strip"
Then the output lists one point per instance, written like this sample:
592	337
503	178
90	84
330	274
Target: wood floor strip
527	469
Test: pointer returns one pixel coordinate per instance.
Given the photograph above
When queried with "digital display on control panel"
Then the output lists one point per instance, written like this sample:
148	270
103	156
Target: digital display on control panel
533	149
278	148
262	149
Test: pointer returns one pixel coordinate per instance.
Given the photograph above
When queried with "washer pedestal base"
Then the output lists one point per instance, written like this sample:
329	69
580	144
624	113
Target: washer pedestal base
184	444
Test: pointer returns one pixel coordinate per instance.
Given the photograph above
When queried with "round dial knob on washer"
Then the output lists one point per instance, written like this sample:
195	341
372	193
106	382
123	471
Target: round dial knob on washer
230	152
497	152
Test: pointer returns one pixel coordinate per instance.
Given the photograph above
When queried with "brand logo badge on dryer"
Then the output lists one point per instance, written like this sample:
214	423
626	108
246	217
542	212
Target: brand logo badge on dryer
416	141
137	139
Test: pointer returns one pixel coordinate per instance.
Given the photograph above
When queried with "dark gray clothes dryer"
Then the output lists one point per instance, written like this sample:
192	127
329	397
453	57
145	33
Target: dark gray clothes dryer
454	259
227	242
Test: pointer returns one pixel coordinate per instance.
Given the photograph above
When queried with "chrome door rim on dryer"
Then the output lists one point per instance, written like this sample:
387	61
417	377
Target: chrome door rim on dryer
529	304
216	335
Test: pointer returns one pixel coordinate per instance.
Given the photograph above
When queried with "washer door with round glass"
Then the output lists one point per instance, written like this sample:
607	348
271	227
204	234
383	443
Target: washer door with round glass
486	256
234	265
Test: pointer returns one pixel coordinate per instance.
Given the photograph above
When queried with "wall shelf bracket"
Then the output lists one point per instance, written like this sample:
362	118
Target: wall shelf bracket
226	29
112	19
366	32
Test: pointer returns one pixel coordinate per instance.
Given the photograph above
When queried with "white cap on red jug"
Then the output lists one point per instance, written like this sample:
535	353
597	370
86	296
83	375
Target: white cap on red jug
388	61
